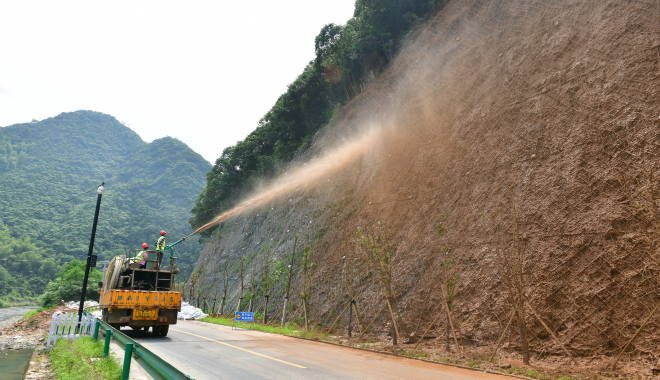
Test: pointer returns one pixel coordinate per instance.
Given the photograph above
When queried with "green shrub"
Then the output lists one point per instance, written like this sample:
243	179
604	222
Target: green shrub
68	284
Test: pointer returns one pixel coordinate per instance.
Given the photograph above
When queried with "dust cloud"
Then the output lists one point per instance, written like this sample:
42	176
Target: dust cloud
307	174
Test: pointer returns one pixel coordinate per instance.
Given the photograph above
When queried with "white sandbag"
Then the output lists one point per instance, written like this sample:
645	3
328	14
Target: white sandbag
190	312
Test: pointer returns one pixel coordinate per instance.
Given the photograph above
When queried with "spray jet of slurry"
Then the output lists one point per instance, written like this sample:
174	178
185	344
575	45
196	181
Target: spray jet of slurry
311	172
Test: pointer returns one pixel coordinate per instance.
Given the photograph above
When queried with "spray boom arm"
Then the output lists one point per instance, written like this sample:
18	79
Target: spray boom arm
170	247
175	243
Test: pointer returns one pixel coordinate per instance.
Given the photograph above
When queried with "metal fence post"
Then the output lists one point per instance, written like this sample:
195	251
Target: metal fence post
128	353
106	347
96	329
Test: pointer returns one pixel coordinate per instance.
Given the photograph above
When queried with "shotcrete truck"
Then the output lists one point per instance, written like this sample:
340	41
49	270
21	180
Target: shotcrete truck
141	298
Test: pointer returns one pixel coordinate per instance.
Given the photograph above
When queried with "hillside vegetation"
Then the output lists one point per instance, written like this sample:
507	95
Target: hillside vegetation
47	169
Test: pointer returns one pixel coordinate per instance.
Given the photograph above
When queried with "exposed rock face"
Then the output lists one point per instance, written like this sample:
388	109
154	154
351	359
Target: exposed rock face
523	129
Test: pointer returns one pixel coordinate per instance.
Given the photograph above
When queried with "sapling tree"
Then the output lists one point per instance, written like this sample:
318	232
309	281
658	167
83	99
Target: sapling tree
194	277
216	288
180	286
240	297
225	286
254	282
645	200
378	252
450	277
352	277
510	258
308	285
266	277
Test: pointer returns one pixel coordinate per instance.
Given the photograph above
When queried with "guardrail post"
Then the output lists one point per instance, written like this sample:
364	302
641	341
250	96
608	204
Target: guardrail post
97	324
128	353
106	347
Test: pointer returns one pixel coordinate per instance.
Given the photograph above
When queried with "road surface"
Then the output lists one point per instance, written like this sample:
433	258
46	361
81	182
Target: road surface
207	351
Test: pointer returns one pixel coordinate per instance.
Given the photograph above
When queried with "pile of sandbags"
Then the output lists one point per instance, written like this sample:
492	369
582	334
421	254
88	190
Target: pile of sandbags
190	312
75	304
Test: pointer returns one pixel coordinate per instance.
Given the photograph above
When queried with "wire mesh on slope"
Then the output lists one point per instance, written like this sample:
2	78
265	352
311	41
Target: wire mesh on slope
512	115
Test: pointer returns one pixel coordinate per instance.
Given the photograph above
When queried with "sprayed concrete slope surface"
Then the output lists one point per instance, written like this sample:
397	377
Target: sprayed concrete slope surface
523	128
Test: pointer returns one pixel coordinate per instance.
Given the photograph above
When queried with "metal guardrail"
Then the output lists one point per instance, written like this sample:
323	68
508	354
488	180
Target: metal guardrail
156	367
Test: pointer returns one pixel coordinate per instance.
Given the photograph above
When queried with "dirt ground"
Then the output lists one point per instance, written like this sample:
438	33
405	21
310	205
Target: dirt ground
29	332
519	145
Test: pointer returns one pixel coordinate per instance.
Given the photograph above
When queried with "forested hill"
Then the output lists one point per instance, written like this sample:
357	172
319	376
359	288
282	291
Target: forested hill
149	187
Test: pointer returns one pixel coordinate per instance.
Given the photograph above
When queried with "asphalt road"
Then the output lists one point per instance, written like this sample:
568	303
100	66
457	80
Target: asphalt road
207	351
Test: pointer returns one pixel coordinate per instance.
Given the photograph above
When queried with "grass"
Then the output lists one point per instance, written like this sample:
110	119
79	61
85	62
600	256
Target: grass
483	359
472	363
34	312
517	371
415	353
82	360
286	330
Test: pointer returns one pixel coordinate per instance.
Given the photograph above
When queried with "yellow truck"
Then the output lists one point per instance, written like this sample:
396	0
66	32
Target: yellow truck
141	298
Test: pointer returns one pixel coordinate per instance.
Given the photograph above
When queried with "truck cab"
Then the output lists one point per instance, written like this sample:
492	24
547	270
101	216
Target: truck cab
141	298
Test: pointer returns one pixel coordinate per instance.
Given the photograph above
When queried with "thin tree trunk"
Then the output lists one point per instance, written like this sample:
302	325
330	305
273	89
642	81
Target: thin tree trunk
447	335
305	310
350	294
522	330
445	294
398	313
286	301
458	328
504	333
396	329
453	330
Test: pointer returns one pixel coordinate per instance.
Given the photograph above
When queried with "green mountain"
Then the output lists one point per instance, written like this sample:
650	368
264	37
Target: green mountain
149	187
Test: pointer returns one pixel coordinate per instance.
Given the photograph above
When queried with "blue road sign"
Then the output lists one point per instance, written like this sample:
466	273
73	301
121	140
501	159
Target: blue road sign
244	316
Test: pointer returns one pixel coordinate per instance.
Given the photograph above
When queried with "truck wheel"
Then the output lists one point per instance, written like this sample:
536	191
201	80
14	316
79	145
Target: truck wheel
146	328
164	329
156	330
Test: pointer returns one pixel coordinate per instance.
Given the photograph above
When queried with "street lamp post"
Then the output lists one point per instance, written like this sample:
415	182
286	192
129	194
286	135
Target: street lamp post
99	191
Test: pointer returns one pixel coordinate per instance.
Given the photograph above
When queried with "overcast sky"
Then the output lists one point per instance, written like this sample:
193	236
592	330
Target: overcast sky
204	72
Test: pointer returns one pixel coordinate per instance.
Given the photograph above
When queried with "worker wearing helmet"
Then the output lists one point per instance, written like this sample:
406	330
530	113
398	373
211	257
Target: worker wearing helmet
142	256
160	246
